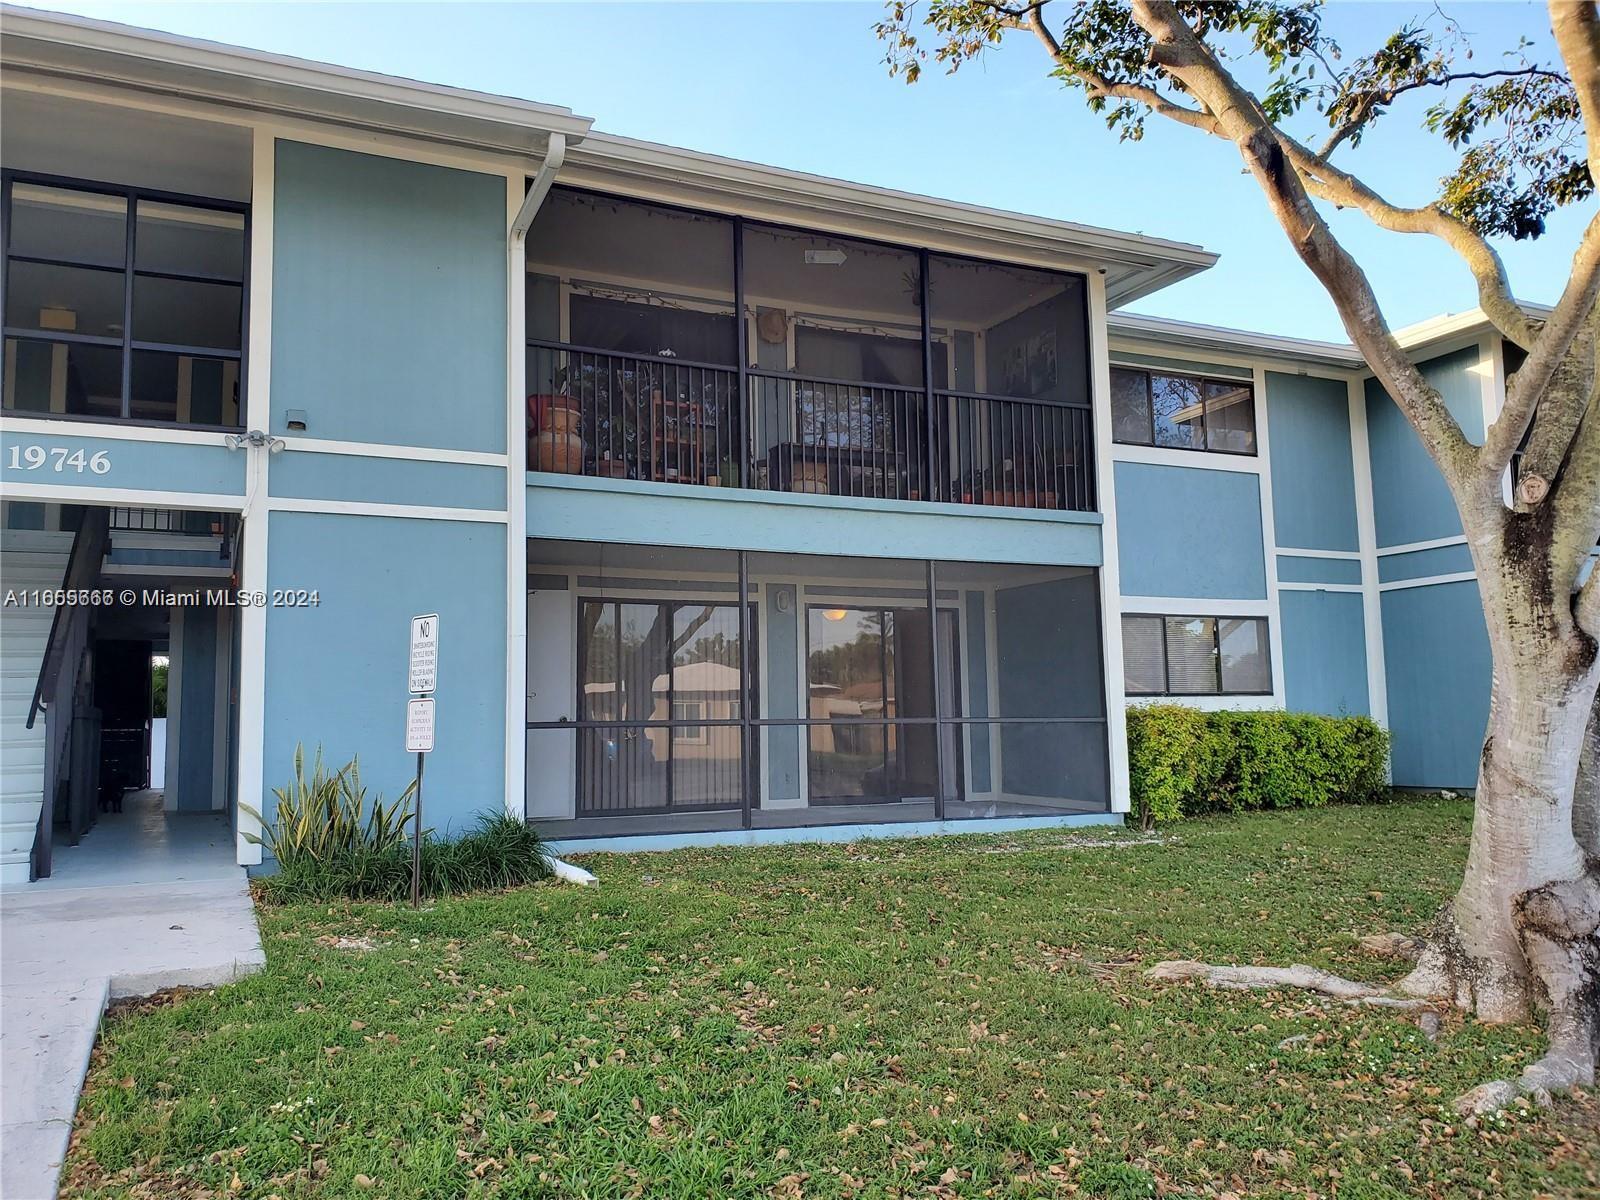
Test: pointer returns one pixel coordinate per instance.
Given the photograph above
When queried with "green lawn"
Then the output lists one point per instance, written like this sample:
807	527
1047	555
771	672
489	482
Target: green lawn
956	1017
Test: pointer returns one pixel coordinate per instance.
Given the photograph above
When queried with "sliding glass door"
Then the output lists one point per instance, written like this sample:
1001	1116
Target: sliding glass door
659	706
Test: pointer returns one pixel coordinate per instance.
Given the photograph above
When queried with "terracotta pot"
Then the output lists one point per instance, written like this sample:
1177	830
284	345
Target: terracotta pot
552	451
560	419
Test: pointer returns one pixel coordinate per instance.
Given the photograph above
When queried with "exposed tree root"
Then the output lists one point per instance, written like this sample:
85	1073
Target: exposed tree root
1299	975
1394	945
1559	926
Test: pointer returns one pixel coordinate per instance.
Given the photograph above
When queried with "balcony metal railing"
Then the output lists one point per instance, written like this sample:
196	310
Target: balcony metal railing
629	416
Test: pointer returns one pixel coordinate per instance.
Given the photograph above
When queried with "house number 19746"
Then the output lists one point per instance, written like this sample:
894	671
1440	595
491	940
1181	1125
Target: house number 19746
60	458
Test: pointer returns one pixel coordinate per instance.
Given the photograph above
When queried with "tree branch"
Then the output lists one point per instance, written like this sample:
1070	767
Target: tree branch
1528	386
1098	86
1368	104
1237	113
1557	415
1577	30
1337	186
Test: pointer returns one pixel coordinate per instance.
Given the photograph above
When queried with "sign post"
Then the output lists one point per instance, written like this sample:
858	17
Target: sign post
421	678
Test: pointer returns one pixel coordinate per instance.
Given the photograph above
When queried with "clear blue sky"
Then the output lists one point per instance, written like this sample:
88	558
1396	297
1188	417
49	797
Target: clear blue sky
802	85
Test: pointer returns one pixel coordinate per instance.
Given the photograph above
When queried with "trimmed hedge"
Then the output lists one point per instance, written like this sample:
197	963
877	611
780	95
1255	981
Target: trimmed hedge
1182	762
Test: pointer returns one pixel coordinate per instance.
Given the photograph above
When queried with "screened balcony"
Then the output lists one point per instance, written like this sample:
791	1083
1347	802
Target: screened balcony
843	691
683	347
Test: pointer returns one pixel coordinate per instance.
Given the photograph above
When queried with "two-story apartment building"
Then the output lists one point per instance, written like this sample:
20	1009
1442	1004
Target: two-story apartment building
752	504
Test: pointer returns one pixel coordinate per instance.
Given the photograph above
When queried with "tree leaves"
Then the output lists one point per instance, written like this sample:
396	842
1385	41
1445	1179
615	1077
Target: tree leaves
1514	122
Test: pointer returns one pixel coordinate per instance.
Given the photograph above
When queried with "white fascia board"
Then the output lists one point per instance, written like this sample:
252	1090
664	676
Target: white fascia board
1135	265
1165	332
166	64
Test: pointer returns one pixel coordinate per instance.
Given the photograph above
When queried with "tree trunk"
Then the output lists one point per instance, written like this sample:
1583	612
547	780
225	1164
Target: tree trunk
1586	796
1521	933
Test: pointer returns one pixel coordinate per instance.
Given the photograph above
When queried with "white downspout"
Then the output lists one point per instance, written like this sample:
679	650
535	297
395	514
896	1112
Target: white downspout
516	735
555	156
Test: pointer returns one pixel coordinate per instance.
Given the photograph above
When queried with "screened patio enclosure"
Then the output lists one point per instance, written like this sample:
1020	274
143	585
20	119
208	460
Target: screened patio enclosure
842	690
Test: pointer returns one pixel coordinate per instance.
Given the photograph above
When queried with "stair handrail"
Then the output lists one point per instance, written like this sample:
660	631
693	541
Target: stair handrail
83	568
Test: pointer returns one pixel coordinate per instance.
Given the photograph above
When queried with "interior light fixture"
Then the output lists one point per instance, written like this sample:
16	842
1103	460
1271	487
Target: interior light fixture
835	614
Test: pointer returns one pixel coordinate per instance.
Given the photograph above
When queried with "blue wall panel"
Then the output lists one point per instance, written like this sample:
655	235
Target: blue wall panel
1188	531
1409	499
1313	479
161	466
1294	568
980	758
191	775
1419	564
570	506
1324	652
1436	656
782	665
388	480
337	672
388	300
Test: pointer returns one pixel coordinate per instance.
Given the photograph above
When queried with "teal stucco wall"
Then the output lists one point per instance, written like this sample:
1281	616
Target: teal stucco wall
1410	502
1188	531
388	300
1324	652
1436	656
1313	478
336	672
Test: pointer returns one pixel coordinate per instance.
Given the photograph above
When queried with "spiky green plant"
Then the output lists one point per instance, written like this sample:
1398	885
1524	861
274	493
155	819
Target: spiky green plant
321	818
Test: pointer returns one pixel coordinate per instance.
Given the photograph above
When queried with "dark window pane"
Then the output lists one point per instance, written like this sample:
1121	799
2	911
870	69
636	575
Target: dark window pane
1230	417
64	299
1177	408
1192	656
185	389
50	222
1003	330
622	769
1130	407
597	651
854	761
833	307
631	277
850	662
1030	645
179	312
1245	663
1144	663
189	241
705	660
58	377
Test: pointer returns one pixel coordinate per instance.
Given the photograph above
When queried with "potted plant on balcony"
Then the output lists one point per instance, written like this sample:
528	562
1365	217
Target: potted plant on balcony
558	443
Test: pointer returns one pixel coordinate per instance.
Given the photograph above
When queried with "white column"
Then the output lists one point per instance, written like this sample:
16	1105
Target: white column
1367	542
253	562
1269	537
1110	577
516	509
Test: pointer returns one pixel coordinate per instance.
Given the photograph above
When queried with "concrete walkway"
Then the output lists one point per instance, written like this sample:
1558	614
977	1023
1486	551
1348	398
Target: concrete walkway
148	900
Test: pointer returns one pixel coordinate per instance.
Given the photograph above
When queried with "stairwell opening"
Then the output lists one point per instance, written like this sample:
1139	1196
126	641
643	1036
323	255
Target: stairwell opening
118	720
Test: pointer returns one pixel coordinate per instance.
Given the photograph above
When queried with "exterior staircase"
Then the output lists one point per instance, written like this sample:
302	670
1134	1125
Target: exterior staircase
29	559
